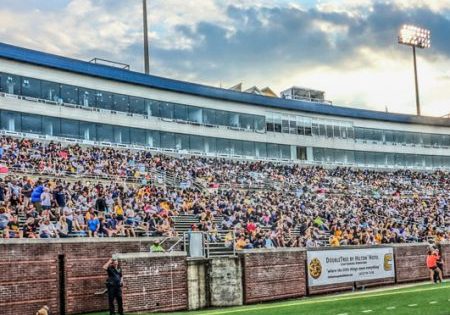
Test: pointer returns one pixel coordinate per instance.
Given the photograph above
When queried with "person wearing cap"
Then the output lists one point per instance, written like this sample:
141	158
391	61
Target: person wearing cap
114	285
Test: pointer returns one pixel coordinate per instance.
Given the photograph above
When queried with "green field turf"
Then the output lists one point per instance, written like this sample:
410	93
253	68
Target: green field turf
412	300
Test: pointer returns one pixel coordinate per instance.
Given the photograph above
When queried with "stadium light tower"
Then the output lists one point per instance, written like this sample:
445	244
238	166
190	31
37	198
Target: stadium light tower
415	37
146	53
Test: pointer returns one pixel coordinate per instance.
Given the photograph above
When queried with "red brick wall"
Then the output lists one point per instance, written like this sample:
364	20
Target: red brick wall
154	282
32	267
445	252
273	274
410	262
29	277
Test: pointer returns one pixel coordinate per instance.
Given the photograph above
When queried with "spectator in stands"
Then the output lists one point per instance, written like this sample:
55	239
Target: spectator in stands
93	225
156	247
47	229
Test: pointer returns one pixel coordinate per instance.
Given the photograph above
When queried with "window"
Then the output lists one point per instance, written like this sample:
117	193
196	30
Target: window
248	148
222	118
105	133
166	110
180	112
138	136
246	122
31	87
196	143
70	128
31	123
195	114
51	126
210	145
9	83
167	140
209	117
87	97
153	108
273	151
285	151
137	105
121	103
233	119
261	149
223	146
69	94
88	131
181	142
50	91
11	121
260	123
104	100
154	139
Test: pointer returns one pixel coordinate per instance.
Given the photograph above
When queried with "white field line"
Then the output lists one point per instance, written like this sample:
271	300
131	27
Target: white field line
303	302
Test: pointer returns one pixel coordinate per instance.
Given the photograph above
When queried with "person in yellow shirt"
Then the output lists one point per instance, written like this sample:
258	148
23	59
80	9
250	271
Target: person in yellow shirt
334	241
118	210
240	243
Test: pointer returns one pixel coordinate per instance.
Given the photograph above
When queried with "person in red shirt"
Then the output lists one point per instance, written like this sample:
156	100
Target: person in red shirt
251	227
432	259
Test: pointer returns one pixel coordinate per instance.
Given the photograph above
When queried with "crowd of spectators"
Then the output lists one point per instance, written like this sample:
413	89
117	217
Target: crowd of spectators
265	204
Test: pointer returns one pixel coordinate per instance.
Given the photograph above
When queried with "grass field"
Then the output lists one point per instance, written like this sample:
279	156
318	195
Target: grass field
421	299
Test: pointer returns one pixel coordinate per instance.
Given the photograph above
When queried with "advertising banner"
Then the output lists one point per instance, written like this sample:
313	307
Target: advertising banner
349	265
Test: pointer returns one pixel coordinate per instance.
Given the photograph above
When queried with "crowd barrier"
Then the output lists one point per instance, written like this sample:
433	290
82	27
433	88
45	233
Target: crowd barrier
67	275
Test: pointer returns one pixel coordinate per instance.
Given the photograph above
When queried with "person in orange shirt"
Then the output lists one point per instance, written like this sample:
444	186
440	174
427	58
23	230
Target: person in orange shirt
432	259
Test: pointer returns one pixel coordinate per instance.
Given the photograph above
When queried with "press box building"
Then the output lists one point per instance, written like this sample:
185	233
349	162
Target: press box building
53	97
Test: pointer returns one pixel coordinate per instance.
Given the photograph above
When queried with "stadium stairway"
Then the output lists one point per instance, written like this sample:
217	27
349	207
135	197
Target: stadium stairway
183	223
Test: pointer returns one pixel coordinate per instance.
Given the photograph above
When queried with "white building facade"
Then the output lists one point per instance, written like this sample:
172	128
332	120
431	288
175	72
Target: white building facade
70	100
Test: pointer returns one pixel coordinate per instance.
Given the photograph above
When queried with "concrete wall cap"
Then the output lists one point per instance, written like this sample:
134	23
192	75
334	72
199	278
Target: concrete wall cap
81	240
131	256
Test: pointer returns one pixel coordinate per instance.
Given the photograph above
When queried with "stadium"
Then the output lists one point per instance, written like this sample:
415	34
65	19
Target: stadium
213	200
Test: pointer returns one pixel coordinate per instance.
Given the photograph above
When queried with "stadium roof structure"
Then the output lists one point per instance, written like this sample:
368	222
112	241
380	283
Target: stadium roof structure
126	76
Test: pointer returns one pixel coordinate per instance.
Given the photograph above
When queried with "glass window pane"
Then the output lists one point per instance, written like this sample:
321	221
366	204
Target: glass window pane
87	97
104	100
167	140
209	117
261	149
223	146
210	145
153	108
10	84
105	133
195	114
31	87
273	151
246	121
180	112
196	143
51	126
137	105
181	142
248	148
88	131
154	139
50	91
222	118
236	147
138	136
70	128
233	120
285	151
11	121
69	94
260	123
31	123
166	110
121	135
121	103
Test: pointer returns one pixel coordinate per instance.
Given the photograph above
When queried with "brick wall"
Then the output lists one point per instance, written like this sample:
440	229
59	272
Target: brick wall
33	271
445	252
273	274
154	281
410	262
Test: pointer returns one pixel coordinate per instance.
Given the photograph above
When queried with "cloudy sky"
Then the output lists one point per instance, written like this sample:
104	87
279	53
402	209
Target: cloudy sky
347	48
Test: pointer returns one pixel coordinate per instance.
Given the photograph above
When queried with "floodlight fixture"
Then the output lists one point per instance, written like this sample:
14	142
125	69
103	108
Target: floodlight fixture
419	37
414	36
